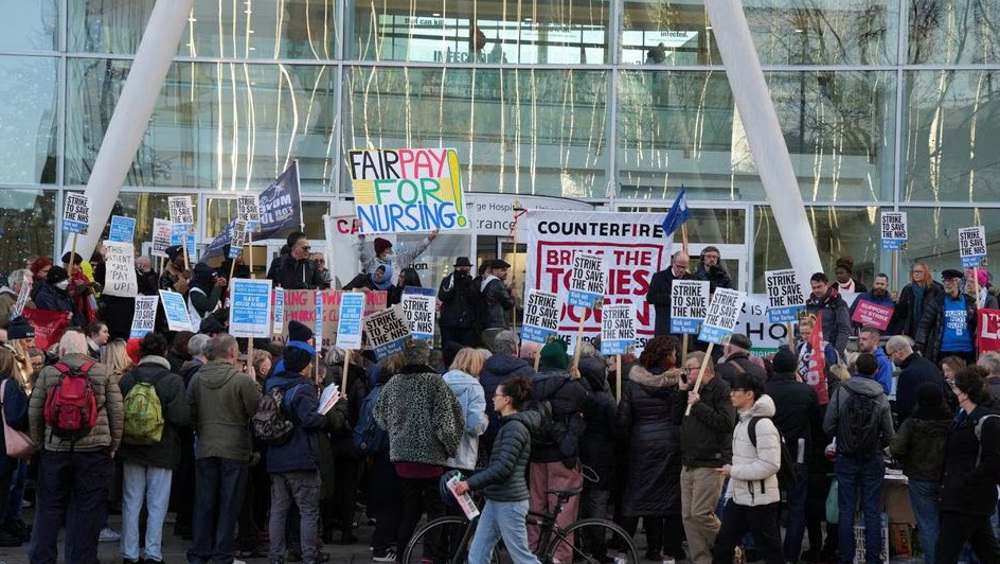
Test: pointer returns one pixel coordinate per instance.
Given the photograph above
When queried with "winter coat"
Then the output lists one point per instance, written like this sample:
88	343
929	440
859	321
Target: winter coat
753	476
659	296
51	298
504	478
459	301
107	431
473	402
301	452
399	259
930	330
421	415
599	439
293	274
836	319
893	327
915	371
836	413
797	413
498	303
173	405
496	369
707	434
904	316
648	424
342	432
739	363
568	398
717	276
920	444
966	487
222	400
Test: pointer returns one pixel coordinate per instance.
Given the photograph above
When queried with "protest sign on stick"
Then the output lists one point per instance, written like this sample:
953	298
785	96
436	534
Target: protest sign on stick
876	315
182	213
76	219
688	305
352	311
120	262
418	308
144	318
972	246
785	298
162	233
176	311
723	315
122	229
587	288
541	321
387	331
617	328
250	309
279	311
894	230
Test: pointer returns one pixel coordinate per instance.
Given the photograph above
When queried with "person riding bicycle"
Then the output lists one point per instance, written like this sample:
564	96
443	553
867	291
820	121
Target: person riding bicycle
503	480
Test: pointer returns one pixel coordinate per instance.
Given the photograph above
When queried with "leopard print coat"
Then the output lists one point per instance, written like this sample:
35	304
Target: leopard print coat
421	415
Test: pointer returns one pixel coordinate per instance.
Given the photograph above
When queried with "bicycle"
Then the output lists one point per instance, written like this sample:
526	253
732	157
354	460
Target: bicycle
591	541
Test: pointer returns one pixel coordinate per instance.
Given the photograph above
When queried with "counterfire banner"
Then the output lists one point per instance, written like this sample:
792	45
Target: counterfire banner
633	245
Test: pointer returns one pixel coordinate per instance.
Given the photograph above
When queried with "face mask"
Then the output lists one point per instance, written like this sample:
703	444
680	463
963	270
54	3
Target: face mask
62	285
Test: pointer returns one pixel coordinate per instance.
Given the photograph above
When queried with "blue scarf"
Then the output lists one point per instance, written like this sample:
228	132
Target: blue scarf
385	282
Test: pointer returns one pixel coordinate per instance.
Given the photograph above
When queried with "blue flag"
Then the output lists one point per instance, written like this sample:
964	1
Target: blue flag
678	214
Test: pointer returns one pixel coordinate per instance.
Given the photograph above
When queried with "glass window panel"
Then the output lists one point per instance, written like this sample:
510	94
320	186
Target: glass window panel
839	231
215	125
682	128
144	207
936	240
485	31
516	131
954	31
30	25
784	33
27	226
222	210
950	136
28	125
262	29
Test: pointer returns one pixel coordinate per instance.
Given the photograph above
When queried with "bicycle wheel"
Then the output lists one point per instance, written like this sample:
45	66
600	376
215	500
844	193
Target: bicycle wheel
442	540
591	541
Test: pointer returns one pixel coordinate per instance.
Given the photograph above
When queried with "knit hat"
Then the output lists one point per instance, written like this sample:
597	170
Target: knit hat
173	251
297	331
929	395
553	355
132	350
381	245
56	275
77	259
784	360
210	325
19	328
297	356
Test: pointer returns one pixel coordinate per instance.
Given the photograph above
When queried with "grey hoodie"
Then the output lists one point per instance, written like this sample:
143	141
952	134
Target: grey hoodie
223	400
837	411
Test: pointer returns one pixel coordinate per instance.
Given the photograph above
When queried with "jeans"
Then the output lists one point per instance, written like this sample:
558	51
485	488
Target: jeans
795	522
218	497
13	510
866	476
553	476
924	501
762	523
153	485
304	489
72	490
503	519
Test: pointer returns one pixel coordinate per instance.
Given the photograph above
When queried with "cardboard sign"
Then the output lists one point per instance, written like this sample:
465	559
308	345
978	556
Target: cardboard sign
163	232
279	311
588	281
300	305
250	308
387	331
181	210
240	228
785	298
122	229
120	263
688	305
617	328
418	309
248	208
972	246
405	190
352	311
868	313
541	316
894	230
76	214
723	314
988	330
183	234
176	311
144	318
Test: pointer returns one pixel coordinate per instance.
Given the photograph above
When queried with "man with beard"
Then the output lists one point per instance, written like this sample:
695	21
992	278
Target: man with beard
827	305
878	295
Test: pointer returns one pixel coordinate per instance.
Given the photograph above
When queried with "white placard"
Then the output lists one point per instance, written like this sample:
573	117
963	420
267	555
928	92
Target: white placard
894	230
688	305
120	262
144	318
541	316
181	210
248	208
588	281
76	214
723	314
972	246
418	309
162	231
785	296
617	328
387	331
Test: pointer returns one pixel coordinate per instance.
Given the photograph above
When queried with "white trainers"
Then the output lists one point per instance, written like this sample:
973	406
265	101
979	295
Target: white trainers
109	535
389	556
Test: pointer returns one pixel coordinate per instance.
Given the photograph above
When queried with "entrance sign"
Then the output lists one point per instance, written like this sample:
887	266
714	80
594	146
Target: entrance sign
617	328
688	305
250	310
723	314
784	296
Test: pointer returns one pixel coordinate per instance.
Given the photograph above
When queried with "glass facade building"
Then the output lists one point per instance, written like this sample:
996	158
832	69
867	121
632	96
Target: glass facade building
884	104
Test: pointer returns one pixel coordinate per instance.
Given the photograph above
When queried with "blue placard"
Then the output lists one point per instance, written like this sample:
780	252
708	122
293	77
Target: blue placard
235	252
893	244
249	311
712	334
279	311
319	320
77	227
972	261
683	325
182	231
534	334
615	347
175	310
588	300
352	310
784	314
122	229
419	290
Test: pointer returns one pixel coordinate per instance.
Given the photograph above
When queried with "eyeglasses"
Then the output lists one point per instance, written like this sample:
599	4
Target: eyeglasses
499	395
691	368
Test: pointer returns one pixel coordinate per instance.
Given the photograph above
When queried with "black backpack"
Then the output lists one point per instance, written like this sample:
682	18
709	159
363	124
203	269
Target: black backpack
269	423
787	480
863	426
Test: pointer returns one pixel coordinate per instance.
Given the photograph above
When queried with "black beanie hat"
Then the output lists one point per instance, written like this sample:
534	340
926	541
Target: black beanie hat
19	328
56	275
297	331
784	360
296	358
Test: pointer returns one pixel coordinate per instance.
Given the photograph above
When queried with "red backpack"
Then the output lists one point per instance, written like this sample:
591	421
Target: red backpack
71	406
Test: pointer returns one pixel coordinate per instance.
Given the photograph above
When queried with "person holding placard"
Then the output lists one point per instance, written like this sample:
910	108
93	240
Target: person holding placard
294	271
660	289
878	295
948	327
174	277
407	277
497	301
736	360
459	305
380	253
81	288
835	318
17	281
205	293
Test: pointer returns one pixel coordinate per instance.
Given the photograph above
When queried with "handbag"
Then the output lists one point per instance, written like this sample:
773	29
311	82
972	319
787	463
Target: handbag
18	444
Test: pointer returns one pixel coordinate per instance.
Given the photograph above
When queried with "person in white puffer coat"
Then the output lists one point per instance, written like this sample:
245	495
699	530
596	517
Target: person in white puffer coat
753	500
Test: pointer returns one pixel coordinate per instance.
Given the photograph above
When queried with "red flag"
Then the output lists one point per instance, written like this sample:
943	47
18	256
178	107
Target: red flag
49	326
988	329
816	374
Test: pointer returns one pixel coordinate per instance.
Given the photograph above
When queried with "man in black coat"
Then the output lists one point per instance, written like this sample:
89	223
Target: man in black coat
825	303
497	301
459	304
915	371
294	271
798	417
737	360
943	330
660	288
711	268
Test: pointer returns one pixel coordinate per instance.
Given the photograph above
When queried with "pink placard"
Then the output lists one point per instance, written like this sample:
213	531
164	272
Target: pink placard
875	315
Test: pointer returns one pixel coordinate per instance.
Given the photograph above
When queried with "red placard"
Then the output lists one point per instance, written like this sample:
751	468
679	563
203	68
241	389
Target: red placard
988	330
867	313
49	326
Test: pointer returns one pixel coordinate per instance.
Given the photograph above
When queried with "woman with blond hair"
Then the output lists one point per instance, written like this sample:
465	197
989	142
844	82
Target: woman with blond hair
463	379
115	357
914	297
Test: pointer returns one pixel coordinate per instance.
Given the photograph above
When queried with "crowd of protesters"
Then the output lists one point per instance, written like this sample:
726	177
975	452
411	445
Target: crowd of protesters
699	465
